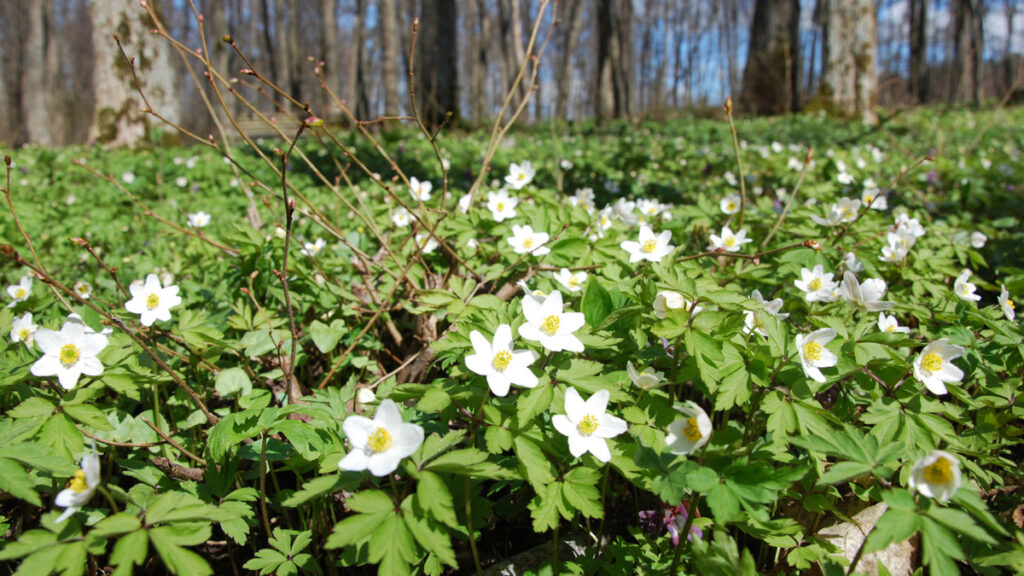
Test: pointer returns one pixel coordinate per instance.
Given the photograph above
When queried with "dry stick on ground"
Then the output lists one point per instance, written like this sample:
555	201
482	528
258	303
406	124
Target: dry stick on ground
171	441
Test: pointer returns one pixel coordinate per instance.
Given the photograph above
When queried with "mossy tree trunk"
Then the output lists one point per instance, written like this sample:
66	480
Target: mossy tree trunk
119	118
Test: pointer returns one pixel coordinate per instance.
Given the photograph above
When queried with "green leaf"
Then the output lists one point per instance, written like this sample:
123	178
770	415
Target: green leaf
431	536
392	536
177	507
597	303
893	526
960	522
15	481
370	502
436	499
29	542
939	548
233	381
71	559
532	403
119	523
355	529
544	508
498	439
580	490
266	561
315	488
32	407
842	471
725	505
533	464
326	337
89	415
178	560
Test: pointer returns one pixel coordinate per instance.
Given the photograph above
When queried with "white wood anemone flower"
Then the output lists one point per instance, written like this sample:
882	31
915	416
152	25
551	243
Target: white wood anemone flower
548	324
198	219
1009	310
965	290
420	190
520	175
20	291
151	301
379	445
525	241
499	362
587	425
867	295
311	249
890	324
728	241
573	281
69	353
937	476
666	300
81	487
934	366
646	378
649	247
816	284
501	205
24	330
813	353
688	434
537	295
730	204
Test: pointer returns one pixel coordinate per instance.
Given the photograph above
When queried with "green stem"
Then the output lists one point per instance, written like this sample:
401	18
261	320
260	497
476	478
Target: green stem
554	561
110	498
263	484
684	534
469	528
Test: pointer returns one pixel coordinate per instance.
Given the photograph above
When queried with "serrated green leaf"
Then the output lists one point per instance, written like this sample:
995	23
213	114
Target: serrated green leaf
32	407
326	337
89	415
15	481
544	508
119	523
532	403
436	498
315	488
533	464
893	526
370	502
178	560
497	439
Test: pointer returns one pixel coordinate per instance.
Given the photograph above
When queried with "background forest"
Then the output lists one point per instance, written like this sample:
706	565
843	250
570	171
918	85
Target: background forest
606	59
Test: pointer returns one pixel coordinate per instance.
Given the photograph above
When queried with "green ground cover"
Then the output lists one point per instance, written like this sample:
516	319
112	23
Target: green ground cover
252	425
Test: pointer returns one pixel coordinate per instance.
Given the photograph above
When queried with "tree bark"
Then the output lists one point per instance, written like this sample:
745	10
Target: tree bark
389	43
118	119
437	62
570	40
771	78
849	83
40	117
614	77
965	84
918	51
331	49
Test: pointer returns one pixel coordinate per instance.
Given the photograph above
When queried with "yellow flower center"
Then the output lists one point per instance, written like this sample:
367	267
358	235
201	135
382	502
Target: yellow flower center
501	206
588	425
83	288
869	199
521	176
730	206
691	430
23	334
604	221
574	282
502	359
69	354
551	324
967	290
650	245
380	440
729	241
816	284
931	362
20	293
939	472
1009	304
890	328
78	482
528	243
152	301
812	351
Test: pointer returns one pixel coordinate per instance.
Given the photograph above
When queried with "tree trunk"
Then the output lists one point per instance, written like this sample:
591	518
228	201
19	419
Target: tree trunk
918	51
614	84
965	84
770	81
850	80
570	40
359	103
511	34
478	26
118	118
436	62
40	117
389	43
330	47
282	42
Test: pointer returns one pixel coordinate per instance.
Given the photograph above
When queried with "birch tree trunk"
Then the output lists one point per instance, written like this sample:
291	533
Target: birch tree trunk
118	119
850	79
